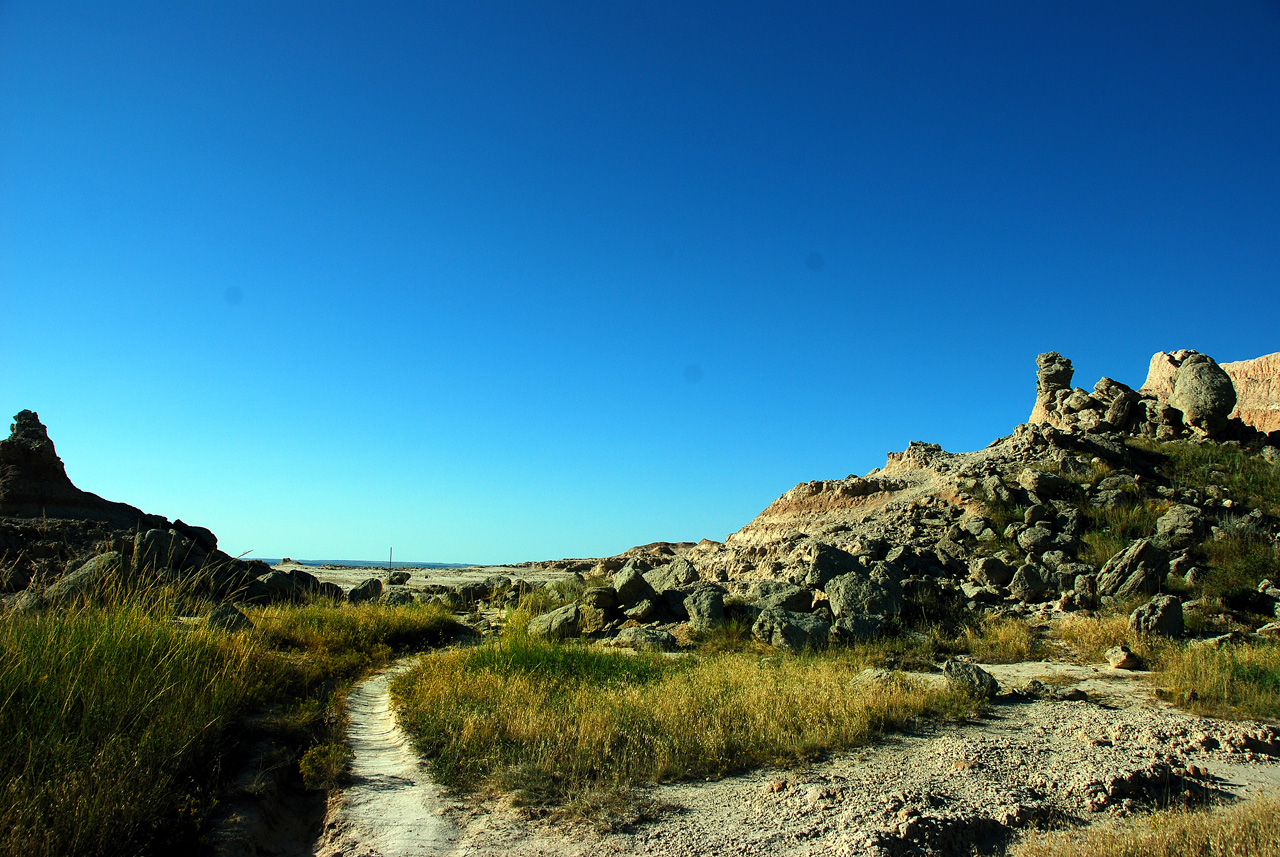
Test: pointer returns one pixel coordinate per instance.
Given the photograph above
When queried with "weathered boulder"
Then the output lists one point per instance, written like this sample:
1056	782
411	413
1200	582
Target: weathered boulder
785	629
677	574
398	578
1122	658
847	630
1204	393
646	638
1027	584
861	594
1139	569
630	585
271	588
1036	540
557	625
991	571
972	679
370	590
1179	528
820	562
226	617
705	605
776	593
1044	485
87	581
1161	616
396	596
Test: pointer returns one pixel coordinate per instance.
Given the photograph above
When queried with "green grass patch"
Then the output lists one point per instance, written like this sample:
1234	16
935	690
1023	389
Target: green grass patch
560	724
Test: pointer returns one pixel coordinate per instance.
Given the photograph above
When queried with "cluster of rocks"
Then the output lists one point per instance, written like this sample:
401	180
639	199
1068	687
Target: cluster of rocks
1186	394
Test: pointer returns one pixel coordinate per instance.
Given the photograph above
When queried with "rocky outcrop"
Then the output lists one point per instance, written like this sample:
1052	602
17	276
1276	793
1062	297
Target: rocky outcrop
1255	386
51	531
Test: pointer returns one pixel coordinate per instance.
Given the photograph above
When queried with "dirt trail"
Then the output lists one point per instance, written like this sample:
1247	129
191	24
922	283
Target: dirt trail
391	808
943	790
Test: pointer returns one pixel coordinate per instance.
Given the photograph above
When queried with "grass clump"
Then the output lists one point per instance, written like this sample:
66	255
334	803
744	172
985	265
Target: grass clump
561	723
111	719
1230	681
1249	829
1109	531
1002	640
345	640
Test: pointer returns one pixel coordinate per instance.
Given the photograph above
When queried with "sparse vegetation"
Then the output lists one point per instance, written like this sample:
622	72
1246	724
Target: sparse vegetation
1002	640
558	724
1250	829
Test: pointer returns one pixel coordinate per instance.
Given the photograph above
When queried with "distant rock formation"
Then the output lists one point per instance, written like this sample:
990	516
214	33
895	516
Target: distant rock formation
1255	384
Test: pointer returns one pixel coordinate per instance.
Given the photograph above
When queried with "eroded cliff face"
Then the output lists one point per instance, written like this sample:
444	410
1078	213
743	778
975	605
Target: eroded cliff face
1257	383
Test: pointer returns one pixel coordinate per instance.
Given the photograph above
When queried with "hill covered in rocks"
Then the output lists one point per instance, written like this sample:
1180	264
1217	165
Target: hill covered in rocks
1106	494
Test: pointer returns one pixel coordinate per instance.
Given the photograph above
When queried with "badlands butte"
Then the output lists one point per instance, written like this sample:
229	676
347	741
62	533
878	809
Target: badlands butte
1111	501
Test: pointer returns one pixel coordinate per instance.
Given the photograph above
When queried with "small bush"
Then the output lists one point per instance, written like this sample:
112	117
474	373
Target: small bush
1002	640
325	765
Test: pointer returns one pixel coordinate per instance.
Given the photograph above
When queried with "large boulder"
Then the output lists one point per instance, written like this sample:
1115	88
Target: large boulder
1161	617
705	606
631	586
1179	528
677	574
646	638
367	591
1203	391
819	562
226	617
863	594
1139	569
971	679
558	624
777	593
785	629
991	571
86	582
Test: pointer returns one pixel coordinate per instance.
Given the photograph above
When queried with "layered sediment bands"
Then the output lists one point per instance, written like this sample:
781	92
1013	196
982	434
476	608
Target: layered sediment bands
810	505
1257	384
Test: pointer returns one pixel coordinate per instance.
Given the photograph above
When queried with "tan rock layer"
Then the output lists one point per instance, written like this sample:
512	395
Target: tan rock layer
1257	384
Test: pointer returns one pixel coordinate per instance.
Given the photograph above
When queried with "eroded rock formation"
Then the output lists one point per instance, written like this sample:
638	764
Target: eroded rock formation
59	541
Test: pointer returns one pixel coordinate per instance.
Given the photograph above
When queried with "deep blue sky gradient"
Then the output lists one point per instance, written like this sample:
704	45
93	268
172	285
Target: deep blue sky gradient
493	282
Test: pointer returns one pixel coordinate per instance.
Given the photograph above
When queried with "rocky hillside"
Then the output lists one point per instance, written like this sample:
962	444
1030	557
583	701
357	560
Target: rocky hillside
1106	494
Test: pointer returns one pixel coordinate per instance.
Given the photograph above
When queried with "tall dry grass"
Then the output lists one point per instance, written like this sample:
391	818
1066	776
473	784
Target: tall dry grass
1249	829
559	722
112	722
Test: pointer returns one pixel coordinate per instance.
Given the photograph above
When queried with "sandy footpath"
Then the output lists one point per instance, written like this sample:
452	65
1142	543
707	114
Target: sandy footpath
351	576
943	790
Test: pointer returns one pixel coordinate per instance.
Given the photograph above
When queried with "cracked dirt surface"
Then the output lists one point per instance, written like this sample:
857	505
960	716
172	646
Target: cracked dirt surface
947	789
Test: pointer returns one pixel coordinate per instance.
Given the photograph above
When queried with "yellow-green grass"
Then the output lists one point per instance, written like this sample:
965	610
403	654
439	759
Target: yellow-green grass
560	723
117	722
1233	681
1002	640
110	720
1248	829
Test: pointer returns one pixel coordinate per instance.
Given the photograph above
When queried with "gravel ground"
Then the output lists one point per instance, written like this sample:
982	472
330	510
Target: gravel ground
946	790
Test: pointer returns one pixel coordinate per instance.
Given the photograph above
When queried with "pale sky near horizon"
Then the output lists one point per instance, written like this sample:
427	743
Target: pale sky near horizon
498	282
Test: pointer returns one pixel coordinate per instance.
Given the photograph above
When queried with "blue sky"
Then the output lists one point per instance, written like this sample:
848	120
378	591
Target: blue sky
495	282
